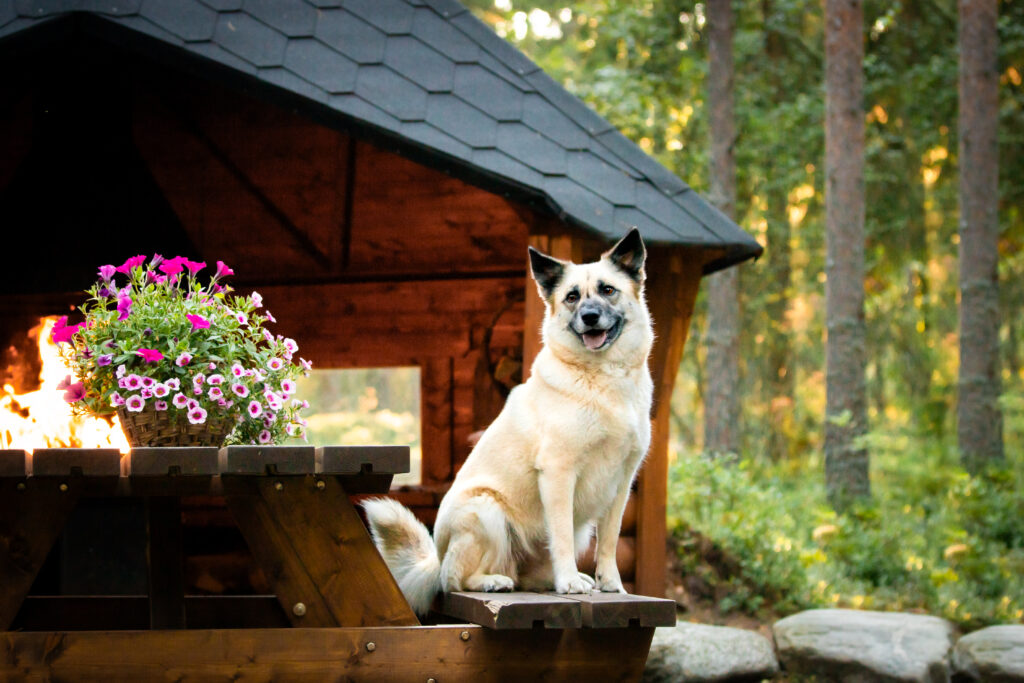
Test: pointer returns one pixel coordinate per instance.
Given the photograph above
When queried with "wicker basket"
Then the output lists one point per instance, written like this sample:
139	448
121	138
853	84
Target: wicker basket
152	427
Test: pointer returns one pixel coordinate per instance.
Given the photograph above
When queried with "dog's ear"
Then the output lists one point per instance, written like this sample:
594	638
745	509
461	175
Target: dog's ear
629	255
547	271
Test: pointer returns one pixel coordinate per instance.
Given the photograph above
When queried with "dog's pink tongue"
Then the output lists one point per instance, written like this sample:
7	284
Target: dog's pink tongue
594	338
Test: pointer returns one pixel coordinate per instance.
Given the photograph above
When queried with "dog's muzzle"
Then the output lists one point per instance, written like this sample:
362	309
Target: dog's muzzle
596	326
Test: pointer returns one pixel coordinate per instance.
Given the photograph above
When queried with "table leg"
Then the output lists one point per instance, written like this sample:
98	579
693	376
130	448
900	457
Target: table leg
165	565
32	515
313	547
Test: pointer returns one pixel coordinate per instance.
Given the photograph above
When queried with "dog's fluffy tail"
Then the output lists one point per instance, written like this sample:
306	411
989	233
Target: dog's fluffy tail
408	550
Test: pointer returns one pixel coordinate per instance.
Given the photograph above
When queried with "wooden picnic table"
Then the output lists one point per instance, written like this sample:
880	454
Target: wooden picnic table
336	611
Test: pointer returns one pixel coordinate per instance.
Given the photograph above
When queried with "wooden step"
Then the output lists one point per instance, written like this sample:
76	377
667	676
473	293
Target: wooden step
519	610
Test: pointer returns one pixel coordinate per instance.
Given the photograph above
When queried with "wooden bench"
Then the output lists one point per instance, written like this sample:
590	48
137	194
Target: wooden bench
504	611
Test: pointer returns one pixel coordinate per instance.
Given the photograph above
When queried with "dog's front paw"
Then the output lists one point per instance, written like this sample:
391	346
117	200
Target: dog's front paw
610	582
575	584
490	583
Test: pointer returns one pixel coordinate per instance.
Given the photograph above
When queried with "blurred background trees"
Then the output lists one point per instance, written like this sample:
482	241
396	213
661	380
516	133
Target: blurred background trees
931	535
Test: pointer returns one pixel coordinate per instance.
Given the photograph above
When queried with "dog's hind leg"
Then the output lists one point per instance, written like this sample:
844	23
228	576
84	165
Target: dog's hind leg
479	557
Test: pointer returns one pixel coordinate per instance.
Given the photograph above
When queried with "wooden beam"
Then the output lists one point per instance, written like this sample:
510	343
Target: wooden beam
311	544
449	653
673	276
32	515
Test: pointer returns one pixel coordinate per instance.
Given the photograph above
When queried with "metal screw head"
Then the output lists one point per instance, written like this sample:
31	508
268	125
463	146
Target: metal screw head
464	635
63	488
299	609
321	484
278	486
370	647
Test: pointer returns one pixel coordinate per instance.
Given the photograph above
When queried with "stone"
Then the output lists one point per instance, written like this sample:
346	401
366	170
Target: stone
697	652
854	646
994	654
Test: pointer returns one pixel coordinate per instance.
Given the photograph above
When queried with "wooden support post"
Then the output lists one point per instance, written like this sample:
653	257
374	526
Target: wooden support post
316	553
673	276
32	514
166	568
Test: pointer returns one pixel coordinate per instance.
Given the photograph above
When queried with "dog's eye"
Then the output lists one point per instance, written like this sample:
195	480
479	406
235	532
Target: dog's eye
607	290
572	297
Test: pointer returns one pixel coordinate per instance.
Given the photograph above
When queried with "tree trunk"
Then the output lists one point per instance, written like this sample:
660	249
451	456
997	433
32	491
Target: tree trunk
721	403
979	421
846	460
779	378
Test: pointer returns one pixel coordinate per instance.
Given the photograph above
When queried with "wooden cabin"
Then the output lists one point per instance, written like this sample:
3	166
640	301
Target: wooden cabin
376	169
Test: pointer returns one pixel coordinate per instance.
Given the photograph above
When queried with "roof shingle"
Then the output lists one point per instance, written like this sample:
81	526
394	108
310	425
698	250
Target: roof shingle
429	78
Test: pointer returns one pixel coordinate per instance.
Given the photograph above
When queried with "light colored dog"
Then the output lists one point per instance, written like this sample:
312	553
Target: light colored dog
559	459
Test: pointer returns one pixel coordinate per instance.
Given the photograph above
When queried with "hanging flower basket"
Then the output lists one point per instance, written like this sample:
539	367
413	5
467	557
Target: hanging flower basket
152	427
182	363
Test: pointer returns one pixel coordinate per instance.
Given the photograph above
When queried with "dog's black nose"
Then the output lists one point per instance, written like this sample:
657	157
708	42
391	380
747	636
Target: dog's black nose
590	319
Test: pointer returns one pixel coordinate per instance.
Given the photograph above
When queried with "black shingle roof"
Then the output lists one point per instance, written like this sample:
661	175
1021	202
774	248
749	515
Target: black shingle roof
431	81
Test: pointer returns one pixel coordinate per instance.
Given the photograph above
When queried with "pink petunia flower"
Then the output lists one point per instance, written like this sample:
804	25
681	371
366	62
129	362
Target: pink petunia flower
255	409
237	370
197	416
240	390
148	382
271	317
266	436
222	271
132	382
172	266
287	387
160	390
121	369
116	400
183	359
146	392
107	273
257	300
150	355
275	364
62	332
105	359
291	345
75	392
130	264
135	404
214	393
241	318
194	266
198	321
198	379
215	379
173	384
124	307
160	405
179	400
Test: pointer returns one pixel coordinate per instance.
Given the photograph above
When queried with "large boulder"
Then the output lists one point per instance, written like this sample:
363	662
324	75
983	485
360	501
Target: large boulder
696	652
853	646
994	654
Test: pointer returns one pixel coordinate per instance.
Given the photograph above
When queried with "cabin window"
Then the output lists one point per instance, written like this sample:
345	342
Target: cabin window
365	407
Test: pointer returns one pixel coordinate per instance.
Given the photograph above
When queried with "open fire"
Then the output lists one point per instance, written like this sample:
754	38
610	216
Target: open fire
42	419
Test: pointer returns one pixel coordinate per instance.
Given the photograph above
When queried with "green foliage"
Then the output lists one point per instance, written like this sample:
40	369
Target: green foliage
932	539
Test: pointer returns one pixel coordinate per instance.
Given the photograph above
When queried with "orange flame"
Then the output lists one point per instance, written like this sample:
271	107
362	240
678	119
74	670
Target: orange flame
42	419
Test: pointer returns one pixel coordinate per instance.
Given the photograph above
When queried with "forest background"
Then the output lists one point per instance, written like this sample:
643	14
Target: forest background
753	531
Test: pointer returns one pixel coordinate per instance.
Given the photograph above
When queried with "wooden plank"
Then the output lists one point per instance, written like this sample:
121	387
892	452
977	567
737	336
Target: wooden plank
267	460
615	610
173	461
436	420
313	548
362	459
63	462
512	610
12	463
165	565
673	276
32	514
448	654
124	612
